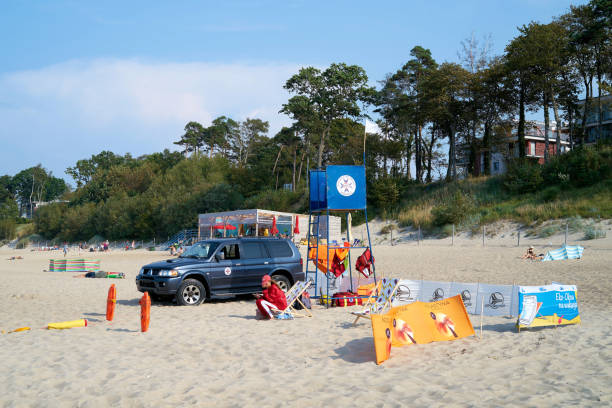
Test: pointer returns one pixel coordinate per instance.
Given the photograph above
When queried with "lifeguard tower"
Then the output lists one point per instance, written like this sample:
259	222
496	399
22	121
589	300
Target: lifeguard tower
338	189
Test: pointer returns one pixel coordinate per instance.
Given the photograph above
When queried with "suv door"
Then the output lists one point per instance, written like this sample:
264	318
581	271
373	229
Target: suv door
226	273
256	263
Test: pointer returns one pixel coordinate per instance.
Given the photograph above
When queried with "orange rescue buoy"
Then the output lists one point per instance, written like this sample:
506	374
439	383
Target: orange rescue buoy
145	312
110	303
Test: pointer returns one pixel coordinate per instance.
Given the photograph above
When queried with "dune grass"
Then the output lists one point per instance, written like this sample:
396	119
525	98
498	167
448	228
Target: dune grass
488	202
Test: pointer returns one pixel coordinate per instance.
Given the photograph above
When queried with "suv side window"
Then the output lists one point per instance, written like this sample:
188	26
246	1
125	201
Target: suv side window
279	249
231	251
253	250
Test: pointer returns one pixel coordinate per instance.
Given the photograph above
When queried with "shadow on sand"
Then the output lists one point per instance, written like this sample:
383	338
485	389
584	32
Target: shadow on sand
357	351
130	302
247	317
94	314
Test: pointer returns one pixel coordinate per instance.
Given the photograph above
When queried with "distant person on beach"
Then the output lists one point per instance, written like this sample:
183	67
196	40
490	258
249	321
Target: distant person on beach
105	246
65	249
530	254
271	297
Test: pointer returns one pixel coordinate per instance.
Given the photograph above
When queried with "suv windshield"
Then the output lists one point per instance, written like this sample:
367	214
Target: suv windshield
200	250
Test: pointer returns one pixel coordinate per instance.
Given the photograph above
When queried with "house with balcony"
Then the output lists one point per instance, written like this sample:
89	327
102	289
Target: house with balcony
592	120
508	148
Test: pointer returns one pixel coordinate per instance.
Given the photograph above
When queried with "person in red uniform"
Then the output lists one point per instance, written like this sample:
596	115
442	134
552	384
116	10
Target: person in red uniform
272	297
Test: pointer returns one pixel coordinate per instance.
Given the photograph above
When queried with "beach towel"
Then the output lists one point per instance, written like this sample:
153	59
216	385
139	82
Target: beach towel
565	252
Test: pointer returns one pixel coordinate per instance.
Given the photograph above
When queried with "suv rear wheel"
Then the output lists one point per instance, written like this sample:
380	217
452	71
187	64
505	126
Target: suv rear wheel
283	282
191	292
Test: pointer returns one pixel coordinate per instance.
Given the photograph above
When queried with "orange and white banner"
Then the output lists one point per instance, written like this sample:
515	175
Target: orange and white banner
419	323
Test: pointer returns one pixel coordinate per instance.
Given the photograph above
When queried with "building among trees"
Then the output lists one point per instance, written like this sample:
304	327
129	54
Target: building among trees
591	131
494	160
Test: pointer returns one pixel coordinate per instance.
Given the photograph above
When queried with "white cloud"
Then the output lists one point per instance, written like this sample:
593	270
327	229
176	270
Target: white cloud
60	113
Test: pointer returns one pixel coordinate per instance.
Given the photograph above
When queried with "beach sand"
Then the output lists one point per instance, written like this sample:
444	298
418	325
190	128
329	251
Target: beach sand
218	355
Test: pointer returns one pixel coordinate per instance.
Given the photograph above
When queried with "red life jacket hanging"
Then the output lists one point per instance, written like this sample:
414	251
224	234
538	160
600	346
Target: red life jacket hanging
365	262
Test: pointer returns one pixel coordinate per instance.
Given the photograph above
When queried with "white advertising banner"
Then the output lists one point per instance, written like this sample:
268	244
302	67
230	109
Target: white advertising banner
497	299
468	292
432	291
408	291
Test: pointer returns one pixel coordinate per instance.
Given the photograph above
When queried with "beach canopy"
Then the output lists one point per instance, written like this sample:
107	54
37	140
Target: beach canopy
225	227
565	252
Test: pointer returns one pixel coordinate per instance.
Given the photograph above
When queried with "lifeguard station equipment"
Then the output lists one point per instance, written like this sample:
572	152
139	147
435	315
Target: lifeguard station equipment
340	189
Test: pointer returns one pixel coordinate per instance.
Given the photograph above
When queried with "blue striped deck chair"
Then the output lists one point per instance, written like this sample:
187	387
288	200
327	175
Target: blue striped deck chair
293	296
386	294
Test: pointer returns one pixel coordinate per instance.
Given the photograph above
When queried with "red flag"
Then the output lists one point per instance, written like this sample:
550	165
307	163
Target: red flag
296	230
273	230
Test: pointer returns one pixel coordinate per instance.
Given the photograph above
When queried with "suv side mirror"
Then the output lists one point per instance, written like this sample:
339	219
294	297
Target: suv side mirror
219	256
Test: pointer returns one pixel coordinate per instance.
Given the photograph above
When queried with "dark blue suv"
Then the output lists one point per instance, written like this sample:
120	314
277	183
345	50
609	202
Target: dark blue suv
221	267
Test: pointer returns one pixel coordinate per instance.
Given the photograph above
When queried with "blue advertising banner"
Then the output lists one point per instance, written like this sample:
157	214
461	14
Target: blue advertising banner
548	305
346	187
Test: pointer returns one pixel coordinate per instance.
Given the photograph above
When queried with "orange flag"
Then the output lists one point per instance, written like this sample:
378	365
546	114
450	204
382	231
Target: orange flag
419	323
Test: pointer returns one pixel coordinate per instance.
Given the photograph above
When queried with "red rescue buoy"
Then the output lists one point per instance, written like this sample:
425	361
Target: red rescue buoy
110	303
145	312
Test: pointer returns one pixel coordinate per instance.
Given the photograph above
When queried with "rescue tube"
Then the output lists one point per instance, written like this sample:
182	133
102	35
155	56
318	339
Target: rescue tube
68	325
111	300
17	330
20	330
145	312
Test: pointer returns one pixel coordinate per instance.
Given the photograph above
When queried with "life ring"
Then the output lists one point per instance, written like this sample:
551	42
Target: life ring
145	312
111	300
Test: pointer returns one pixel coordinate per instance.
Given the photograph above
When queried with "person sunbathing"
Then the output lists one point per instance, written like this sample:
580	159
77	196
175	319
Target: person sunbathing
272	297
12	258
530	254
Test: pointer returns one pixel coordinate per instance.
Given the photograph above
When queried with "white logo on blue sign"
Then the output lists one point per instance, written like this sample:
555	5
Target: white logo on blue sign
346	185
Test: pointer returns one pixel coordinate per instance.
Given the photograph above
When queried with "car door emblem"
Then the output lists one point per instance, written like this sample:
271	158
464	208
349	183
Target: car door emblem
228	271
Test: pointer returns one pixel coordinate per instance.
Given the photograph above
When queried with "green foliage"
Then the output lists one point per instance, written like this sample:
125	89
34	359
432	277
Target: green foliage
7	229
583	166
523	176
388	228
280	200
384	193
551	193
454	211
8	209
593	232
549	231
22	243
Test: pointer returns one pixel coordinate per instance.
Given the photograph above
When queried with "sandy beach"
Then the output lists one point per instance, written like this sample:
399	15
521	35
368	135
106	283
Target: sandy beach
217	354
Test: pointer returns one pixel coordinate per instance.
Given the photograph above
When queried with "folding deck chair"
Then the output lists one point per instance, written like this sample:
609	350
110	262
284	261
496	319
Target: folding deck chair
388	287
293	296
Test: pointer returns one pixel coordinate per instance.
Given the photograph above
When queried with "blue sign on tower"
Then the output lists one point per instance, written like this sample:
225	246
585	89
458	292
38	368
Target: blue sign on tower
346	188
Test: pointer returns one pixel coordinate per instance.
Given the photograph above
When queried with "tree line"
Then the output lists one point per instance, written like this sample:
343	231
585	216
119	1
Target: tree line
422	108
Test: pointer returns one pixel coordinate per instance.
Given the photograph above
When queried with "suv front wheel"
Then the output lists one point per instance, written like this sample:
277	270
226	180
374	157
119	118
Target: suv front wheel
283	282
191	292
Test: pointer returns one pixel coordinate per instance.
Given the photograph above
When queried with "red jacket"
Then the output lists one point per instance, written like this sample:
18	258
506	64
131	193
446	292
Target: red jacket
276	296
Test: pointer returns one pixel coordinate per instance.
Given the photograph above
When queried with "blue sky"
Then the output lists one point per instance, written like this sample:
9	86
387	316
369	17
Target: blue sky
77	77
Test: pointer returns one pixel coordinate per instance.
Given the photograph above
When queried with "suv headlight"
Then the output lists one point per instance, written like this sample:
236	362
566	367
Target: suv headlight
169	273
